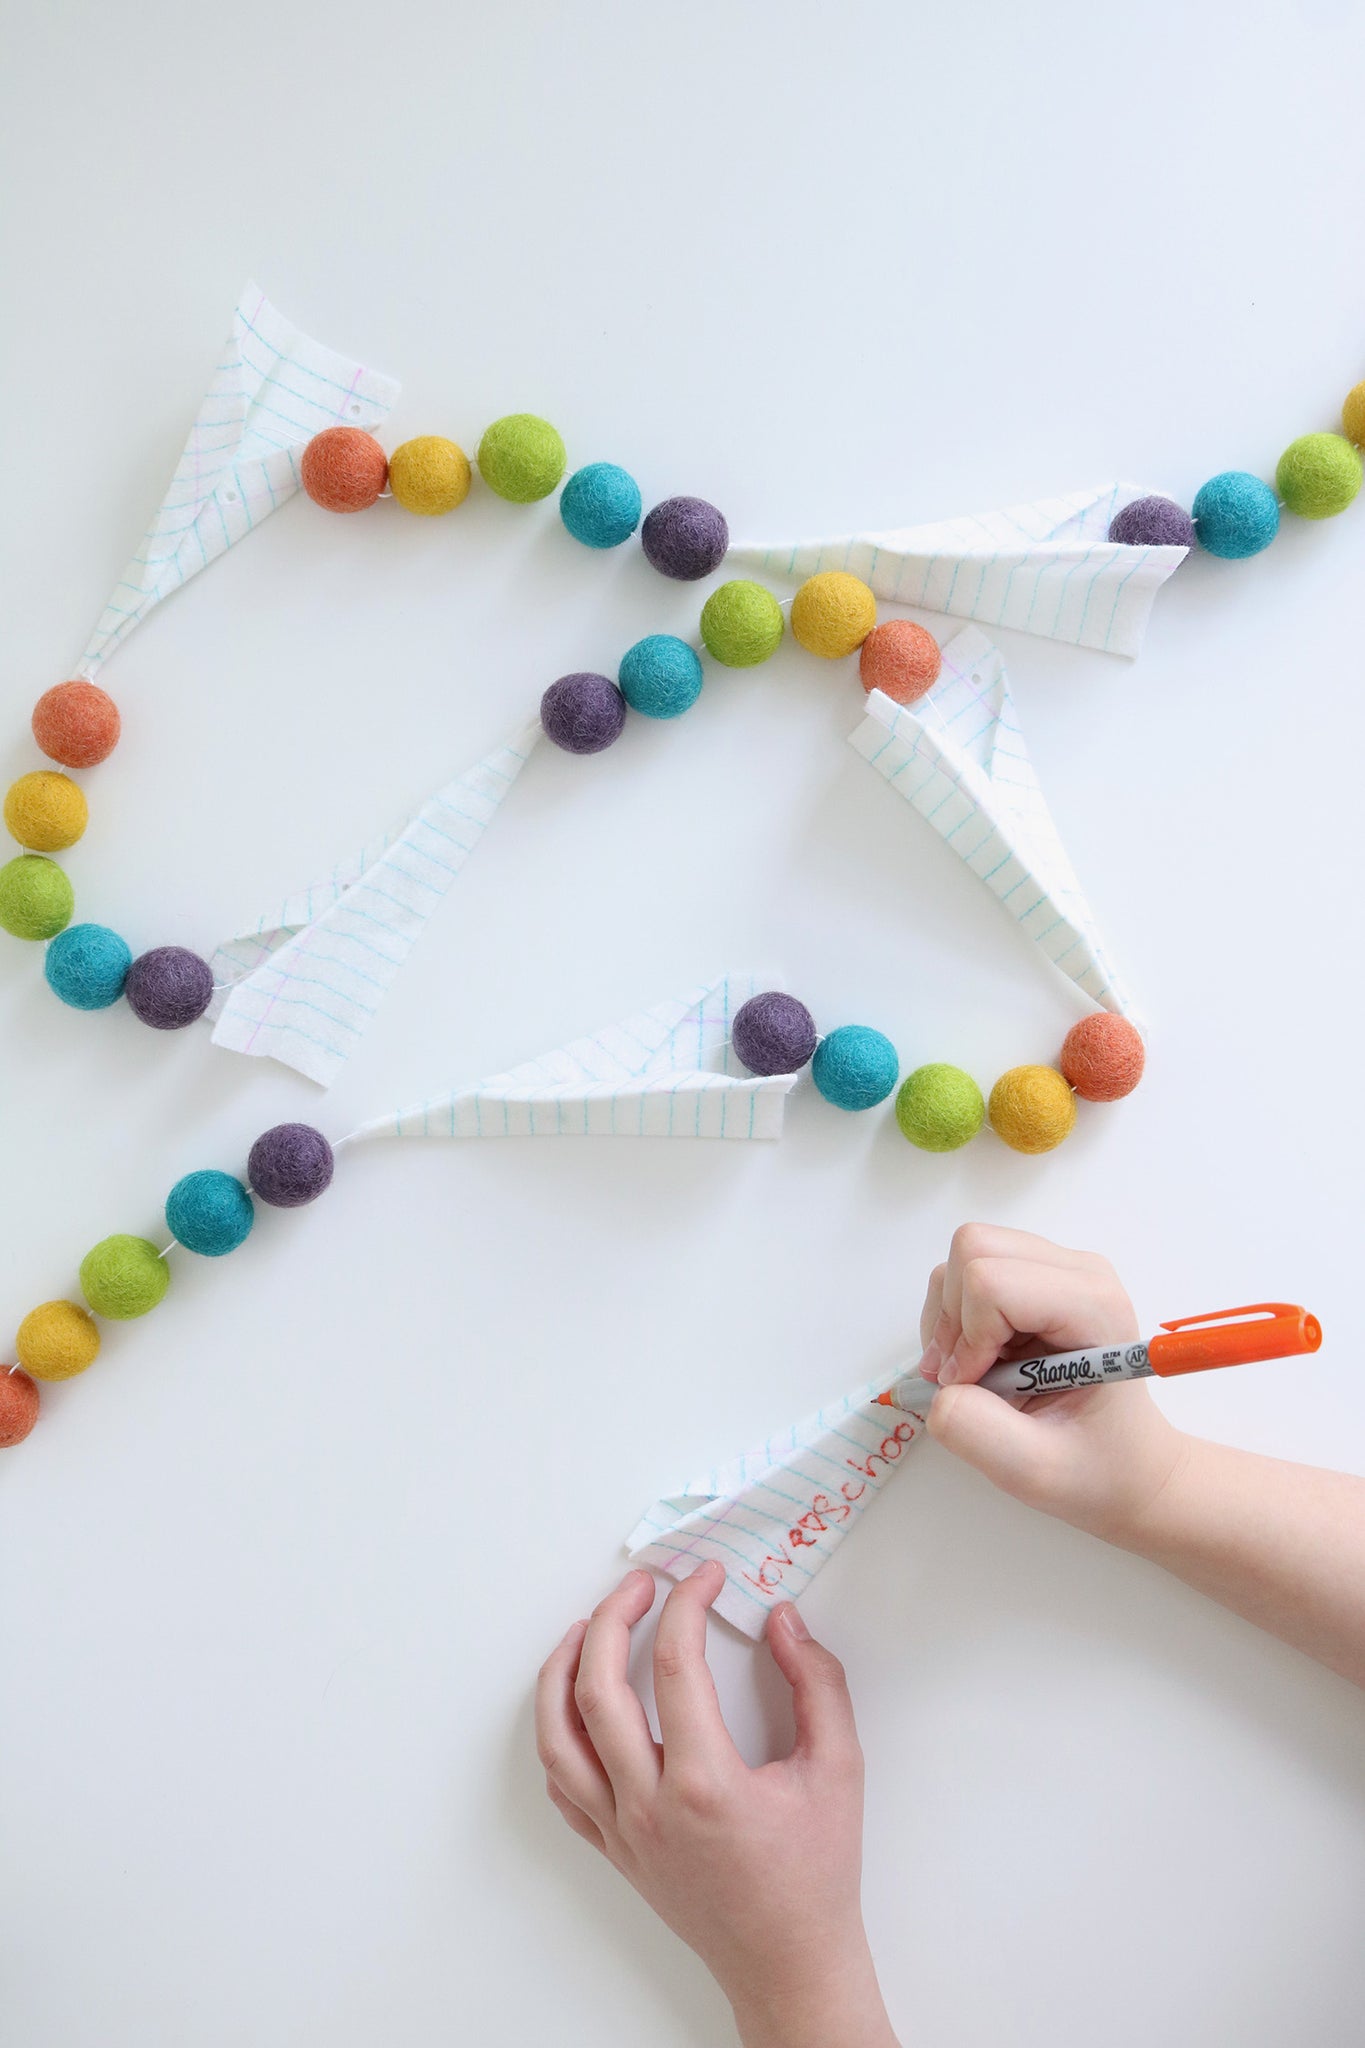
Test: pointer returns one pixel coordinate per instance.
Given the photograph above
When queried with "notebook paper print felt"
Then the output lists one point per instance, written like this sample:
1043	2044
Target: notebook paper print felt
959	758
272	390
308	976
1048	567
776	1515
666	1072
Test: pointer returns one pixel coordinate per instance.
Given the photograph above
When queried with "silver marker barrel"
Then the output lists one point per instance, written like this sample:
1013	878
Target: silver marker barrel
1102	1366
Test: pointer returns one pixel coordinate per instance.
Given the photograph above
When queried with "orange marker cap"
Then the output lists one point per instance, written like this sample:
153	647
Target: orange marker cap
1276	1329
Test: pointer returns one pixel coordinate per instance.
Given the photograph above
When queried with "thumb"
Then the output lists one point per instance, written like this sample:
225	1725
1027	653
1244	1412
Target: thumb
821	1706
982	1429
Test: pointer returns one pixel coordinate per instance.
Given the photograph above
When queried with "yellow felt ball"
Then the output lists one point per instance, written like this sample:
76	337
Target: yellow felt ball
1353	415
833	613
1032	1108
429	475
45	811
57	1341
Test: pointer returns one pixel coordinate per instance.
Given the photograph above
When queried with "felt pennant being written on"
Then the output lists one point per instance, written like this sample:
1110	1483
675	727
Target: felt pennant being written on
776	1515
307	977
272	391
667	1072
959	758
1048	567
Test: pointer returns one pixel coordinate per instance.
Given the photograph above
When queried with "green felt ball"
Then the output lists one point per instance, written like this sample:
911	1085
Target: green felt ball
521	457
939	1108
36	899
1318	475
123	1277
741	624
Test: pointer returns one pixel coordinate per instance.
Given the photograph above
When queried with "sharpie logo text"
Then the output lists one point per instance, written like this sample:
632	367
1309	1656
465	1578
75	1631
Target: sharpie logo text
1043	1375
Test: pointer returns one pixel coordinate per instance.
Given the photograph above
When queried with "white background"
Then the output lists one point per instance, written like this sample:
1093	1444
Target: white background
276	1575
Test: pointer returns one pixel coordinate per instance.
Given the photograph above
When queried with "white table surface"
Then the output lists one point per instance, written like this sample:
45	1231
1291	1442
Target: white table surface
276	1575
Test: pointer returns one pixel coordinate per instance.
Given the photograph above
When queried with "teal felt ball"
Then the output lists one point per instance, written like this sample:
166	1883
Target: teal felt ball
855	1067
209	1213
86	965
660	676
1235	515
601	505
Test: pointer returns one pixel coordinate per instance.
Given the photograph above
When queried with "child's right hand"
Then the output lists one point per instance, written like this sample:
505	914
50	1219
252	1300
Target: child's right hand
1097	1457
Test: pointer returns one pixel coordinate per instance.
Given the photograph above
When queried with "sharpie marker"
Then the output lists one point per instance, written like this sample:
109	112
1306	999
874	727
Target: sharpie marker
1194	1344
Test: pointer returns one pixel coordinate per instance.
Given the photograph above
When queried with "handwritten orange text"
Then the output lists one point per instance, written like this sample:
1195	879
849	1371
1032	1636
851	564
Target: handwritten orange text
831	1510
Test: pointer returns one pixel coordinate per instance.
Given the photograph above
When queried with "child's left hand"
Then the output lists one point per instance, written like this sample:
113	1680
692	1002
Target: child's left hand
757	1870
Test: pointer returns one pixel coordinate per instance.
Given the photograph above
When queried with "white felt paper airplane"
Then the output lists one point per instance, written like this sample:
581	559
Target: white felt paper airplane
272	391
959	758
303	982
776	1515
667	1072
1047	568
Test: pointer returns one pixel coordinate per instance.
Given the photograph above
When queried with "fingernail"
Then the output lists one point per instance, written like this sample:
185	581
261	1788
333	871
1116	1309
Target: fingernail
573	1631
710	1565
947	1372
930	1361
792	1622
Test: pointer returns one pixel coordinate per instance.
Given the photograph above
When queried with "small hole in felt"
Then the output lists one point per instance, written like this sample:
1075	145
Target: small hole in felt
355	412
231	497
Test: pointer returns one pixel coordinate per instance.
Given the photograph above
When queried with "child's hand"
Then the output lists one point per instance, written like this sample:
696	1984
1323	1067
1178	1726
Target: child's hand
1095	1457
757	1870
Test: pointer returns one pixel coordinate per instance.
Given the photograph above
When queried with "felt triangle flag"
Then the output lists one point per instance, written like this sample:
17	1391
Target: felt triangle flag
1047	568
668	1072
959	758
272	391
303	982
776	1515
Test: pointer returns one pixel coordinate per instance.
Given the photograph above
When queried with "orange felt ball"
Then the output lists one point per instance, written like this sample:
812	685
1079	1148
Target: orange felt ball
901	660
76	724
18	1406
344	469
1103	1057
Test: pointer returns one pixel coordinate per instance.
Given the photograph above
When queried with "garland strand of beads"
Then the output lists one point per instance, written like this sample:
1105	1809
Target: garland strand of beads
938	1107
522	458
211	1213
89	967
1236	514
122	1277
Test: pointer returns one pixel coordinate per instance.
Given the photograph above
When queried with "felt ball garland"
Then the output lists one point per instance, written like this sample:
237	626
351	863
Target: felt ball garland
123	1277
939	1107
522	459
77	724
854	1067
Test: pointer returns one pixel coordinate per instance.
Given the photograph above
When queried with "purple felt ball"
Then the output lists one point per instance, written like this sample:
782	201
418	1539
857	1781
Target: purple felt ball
773	1033
583	713
685	538
288	1165
169	987
1153	523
